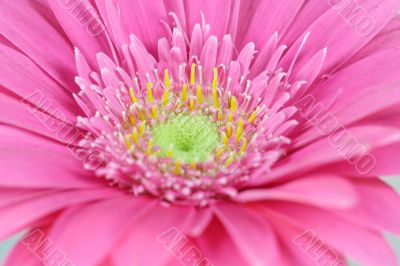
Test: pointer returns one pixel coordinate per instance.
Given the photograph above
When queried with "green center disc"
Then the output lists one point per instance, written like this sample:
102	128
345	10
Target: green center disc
189	138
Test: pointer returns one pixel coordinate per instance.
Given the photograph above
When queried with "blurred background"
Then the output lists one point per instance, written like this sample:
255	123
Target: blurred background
5	246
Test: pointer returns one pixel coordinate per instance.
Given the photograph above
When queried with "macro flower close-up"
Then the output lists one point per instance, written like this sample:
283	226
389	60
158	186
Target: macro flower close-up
188	132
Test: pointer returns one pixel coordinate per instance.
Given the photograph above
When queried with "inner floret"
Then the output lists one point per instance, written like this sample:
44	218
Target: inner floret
187	138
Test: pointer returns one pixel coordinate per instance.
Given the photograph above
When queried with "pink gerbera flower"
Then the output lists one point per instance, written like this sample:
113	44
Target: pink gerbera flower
199	132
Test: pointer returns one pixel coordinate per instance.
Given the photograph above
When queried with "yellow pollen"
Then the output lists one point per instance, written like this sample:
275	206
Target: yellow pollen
219	150
150	92
193	165
225	140
154	112
219	115
131	119
230	117
177	167
193	74
230	160
165	97
167	79
191	104
215	96
128	141
199	95
142	128
253	115
132	95
140	111
233	103
135	136
184	92
244	145
239	130
149	147
214	88
229	129
215	80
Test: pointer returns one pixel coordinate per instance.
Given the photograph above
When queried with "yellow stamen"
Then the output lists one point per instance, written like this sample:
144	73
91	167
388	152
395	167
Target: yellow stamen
215	96
154	112
191	104
244	145
230	117
177	167
128	141
214	88
229	129
140	112
225	140
150	92
193	165
199	94
142	128
167	79
215	80
239	129
184	92
193	74
135	136
149	147
132	94
220	115
167	86
219	150
165	97
230	160
253	115
233	103
131	119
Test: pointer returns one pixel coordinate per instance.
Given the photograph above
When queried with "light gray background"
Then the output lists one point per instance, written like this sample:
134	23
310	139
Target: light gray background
394	181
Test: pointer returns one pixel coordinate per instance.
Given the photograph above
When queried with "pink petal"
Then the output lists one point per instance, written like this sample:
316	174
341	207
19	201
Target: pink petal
382	161
141	244
30	27
16	217
143	19
252	235
217	246
112	219
325	191
29	161
344	40
260	19
83	26
367	246
378	208
17	114
326	151
41	90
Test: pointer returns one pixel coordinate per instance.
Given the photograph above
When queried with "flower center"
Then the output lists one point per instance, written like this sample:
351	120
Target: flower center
186	138
193	127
